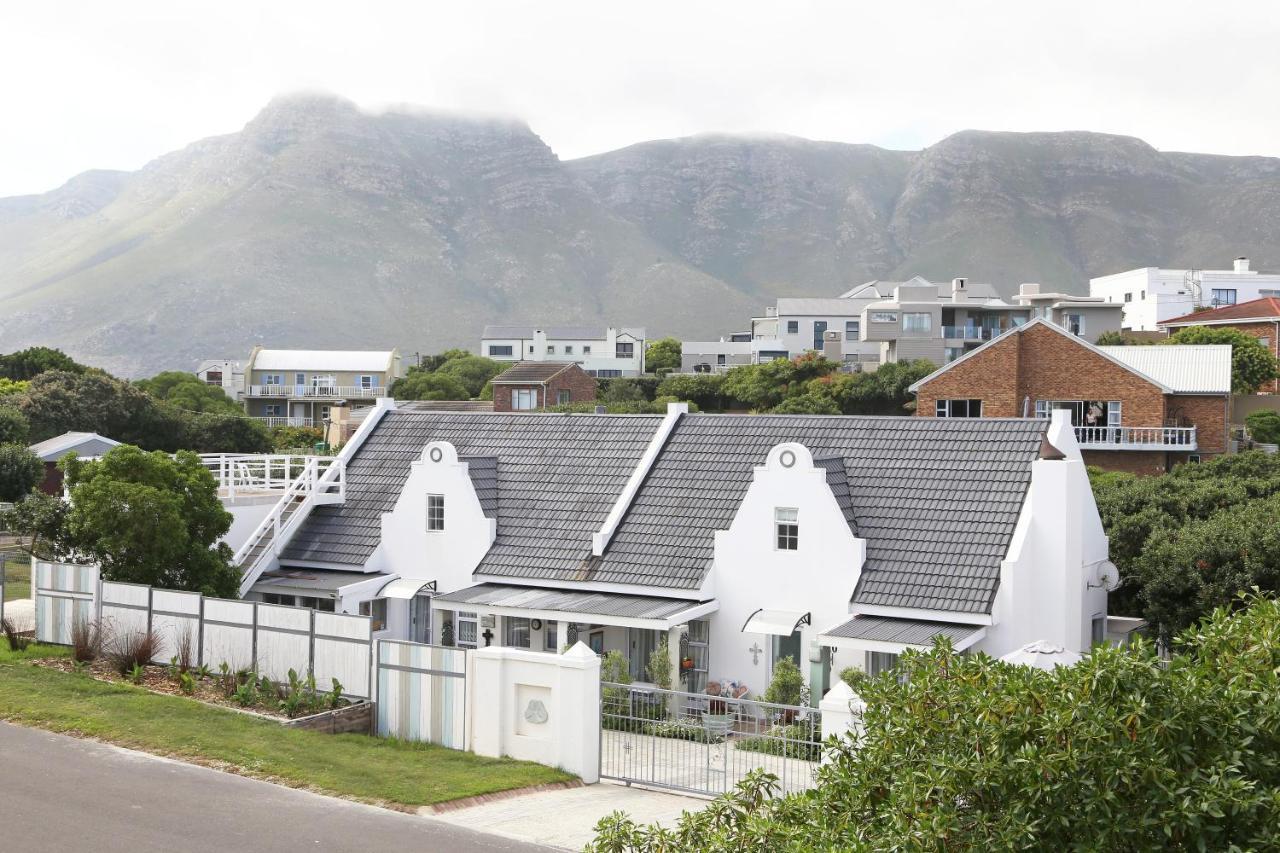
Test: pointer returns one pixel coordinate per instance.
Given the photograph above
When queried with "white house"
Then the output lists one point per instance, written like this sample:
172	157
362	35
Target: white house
1151	295
836	541
606	352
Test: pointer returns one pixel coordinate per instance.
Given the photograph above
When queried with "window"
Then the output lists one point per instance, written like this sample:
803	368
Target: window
549	638
852	329
323	384
786	524
273	598
1266	342
884	317
524	399
819	329
1223	296
324	413
435	512
299	379
1144	295
564	397
273	379
958	408
1193	457
878	662
586	349
503	350
517	635
916	322
1128	297
468	630
530	349
568	349
368	382
1098	630
376	610
721	359
625	349
773	354
274	410
213	377
608	374
551	350
1073	323
793	327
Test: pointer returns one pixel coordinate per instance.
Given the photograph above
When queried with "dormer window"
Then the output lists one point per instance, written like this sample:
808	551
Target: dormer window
435	513
786	528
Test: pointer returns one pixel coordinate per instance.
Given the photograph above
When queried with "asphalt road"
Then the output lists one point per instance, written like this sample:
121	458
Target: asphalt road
63	794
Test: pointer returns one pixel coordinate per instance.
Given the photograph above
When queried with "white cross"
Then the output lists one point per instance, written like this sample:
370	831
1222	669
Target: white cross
755	653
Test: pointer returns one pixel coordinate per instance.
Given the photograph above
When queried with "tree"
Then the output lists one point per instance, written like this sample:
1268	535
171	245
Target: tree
809	403
432	363
471	371
622	390
12	387
148	518
187	392
962	752
1252	364
221	433
662	355
93	401
285	438
421	385
14	428
704	389
31	362
763	386
20	472
1264	426
883	391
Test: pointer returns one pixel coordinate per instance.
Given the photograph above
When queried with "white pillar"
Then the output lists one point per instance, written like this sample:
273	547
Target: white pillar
562	636
841	711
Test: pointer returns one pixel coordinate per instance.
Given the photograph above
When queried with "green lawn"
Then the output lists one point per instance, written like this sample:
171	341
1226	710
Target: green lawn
17	583
371	769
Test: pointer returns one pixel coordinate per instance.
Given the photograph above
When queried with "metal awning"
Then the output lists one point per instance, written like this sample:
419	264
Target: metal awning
405	588
783	623
608	608
312	580
888	634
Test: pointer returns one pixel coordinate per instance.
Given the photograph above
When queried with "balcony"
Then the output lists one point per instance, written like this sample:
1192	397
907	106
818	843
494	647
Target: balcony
319	392
970	333
1136	438
270	422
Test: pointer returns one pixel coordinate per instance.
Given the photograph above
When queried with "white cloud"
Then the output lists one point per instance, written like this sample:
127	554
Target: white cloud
111	85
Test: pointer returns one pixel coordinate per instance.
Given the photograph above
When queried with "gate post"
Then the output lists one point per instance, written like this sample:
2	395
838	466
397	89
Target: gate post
841	712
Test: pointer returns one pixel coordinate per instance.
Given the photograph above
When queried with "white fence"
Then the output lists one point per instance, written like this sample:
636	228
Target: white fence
269	639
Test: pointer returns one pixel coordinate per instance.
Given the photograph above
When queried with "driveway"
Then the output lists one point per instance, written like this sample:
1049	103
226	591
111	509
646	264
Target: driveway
62	793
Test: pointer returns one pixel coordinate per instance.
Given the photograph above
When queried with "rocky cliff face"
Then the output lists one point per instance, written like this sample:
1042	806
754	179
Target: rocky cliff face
320	225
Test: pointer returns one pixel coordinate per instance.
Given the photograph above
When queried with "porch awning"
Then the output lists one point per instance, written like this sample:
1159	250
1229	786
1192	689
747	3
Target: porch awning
405	588
610	608
887	634
783	623
311	580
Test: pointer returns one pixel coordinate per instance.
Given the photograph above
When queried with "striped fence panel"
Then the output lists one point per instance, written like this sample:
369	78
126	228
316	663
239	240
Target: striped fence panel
422	693
228	630
343	650
175	620
125	611
284	641
64	594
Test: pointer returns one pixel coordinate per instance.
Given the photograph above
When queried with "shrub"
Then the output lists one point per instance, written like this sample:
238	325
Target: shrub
86	639
16	638
187	683
246	694
1264	426
682	730
20	472
131	649
659	667
797	740
787	685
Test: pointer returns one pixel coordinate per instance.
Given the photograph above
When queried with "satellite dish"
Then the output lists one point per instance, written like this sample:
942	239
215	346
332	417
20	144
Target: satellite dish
1108	576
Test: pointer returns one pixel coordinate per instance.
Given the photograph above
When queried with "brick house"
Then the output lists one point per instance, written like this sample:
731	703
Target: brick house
1134	408
535	385
1258	318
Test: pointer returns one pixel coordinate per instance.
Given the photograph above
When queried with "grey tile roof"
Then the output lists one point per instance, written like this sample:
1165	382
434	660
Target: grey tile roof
935	498
445	405
838	480
913	632
570	601
557	478
532	371
483	471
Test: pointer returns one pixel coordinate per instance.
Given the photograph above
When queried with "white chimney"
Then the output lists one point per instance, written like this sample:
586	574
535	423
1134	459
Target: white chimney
957	288
1029	289
1242	264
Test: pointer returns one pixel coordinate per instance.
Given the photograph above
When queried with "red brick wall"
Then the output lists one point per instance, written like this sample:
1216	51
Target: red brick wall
1144	462
580	385
991	376
1208	414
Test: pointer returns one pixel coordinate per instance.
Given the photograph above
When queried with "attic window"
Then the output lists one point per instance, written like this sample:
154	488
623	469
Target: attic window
787	528
435	513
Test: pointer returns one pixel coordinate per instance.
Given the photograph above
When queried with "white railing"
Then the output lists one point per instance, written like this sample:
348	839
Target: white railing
322	481
275	421
1136	438
239	474
358	392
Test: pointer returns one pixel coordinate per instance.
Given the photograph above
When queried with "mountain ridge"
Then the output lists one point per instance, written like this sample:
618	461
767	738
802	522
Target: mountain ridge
320	225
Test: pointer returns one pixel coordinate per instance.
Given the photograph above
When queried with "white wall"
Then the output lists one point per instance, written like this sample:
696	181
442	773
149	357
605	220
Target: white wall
1167	293
603	355
750	573
246	515
449	556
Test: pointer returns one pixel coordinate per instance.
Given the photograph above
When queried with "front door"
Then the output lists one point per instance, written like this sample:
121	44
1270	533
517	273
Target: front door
420	618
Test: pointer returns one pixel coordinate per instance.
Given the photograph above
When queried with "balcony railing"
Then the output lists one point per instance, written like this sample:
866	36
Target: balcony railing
1136	438
970	333
270	422
356	392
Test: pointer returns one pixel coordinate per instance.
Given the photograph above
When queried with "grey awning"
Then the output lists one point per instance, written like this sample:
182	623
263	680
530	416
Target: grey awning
613	608
884	633
313	580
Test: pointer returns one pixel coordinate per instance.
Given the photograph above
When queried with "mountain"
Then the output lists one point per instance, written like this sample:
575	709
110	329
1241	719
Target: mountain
320	225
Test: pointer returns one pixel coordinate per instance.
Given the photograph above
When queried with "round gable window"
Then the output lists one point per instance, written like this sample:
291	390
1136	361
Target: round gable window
436	454
787	458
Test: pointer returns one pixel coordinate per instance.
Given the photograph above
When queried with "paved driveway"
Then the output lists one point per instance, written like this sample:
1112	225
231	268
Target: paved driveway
61	794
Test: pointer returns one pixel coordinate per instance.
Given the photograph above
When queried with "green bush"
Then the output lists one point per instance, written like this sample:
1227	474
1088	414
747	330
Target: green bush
20	472
796	740
1264	426
787	685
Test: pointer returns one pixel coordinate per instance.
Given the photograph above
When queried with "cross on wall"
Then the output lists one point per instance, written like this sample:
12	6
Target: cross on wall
755	654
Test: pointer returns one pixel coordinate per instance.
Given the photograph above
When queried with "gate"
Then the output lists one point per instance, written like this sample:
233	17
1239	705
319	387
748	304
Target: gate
422	693
704	744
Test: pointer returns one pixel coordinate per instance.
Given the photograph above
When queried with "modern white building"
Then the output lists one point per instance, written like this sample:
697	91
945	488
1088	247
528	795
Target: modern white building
1151	295
834	541
608	352
223	373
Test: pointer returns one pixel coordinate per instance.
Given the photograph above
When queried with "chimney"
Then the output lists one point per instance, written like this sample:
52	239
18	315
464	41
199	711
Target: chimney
1029	289
957	288
1242	264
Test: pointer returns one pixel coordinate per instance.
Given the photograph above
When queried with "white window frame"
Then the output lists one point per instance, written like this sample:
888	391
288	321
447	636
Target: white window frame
1229	295
524	399
945	408
367	381
624	349
1078	331
786	528
793	327
273	410
568	349
884	316
500	351
878	662
852	329
551	349
273	379
435	513
917	321
376	610
586	349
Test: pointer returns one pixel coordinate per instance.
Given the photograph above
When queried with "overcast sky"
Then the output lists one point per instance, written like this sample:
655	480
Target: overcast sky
114	84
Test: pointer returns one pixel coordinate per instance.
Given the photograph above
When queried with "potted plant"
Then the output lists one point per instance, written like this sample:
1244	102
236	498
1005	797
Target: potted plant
786	687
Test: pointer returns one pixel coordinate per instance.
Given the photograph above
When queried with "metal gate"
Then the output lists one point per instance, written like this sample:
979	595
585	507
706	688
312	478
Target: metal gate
704	744
422	693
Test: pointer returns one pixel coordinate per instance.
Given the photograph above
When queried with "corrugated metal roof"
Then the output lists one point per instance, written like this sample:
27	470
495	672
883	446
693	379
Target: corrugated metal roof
1182	368
572	333
574	601
532	371
83	443
323	580
305	359
911	632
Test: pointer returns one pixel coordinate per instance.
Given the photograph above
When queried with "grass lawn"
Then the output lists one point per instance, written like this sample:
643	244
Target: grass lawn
17	580
371	769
